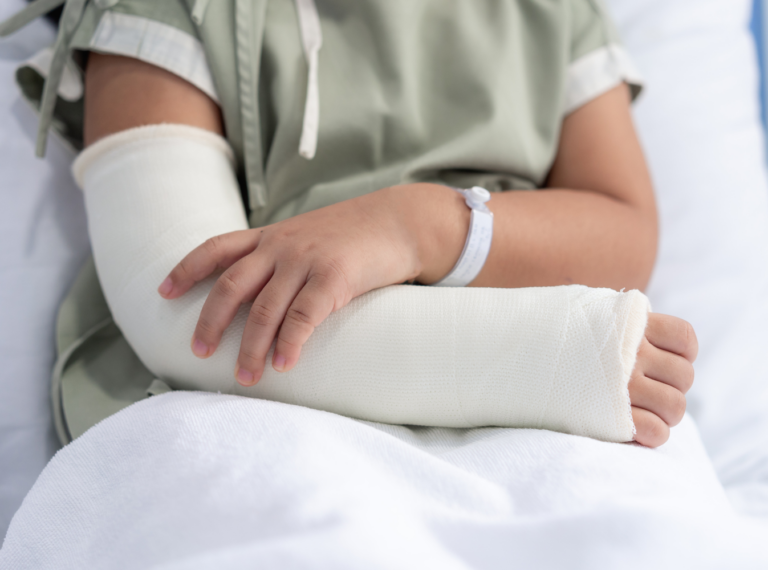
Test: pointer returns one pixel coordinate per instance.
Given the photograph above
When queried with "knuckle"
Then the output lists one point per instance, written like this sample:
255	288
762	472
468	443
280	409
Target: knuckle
277	236
299	316
332	278
206	327
212	246
267	239
287	344
692	340
184	268
250	357
262	315
688	376
298	251
685	337
322	285
226	286
687	334
335	271
678	404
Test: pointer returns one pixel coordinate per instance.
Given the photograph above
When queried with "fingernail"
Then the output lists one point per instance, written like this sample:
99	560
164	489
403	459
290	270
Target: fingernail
244	376
199	348
165	287
279	363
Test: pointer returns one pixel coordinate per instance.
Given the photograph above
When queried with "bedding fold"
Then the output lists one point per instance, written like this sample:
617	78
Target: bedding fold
197	481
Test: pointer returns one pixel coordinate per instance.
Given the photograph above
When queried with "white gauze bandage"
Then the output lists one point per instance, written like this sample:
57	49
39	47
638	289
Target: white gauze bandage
556	358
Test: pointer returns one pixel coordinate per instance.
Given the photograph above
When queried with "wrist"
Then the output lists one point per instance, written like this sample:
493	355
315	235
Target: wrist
436	220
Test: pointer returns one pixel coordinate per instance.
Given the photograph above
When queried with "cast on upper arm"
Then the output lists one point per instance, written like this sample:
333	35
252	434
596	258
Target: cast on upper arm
557	358
598	61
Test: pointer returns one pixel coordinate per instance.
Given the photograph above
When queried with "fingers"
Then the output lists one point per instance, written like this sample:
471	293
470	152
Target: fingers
296	317
673	335
651	429
218	252
660	399
312	306
264	319
661	377
237	285
663	366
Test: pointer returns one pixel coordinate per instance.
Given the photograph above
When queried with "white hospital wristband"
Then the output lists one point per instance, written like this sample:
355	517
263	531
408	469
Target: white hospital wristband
478	242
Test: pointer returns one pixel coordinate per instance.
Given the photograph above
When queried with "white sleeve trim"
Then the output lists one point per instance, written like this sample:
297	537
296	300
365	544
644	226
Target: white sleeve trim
71	85
598	72
159	44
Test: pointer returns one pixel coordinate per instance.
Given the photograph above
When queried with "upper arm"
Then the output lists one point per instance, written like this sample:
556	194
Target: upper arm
599	151
122	93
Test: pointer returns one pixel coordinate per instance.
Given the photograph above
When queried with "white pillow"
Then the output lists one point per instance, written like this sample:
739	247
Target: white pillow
699	121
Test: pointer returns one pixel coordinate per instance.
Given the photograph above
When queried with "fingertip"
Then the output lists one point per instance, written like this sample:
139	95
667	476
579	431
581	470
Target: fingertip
244	377
278	363
166	288
200	349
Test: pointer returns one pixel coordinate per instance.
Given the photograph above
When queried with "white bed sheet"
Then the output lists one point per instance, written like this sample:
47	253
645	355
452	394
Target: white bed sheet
699	122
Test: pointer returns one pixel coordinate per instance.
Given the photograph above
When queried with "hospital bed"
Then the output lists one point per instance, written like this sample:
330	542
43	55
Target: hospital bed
441	498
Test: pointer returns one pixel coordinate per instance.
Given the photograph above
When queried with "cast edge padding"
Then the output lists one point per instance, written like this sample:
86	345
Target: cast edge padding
123	140
639	308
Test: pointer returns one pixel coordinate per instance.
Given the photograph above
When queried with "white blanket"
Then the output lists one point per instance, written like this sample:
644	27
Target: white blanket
192	480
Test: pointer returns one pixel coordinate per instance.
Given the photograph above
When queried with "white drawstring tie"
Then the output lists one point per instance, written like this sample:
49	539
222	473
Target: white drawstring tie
312	38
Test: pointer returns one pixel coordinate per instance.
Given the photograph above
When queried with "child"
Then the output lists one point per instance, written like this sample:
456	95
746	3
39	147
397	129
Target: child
350	131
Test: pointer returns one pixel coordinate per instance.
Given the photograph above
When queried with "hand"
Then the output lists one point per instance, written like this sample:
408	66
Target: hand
296	272
663	374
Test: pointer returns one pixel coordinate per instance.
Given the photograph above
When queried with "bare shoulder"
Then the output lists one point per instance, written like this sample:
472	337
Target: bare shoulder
122	93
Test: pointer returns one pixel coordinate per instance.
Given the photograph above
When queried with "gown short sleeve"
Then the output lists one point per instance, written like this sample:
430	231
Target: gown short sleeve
598	61
160	33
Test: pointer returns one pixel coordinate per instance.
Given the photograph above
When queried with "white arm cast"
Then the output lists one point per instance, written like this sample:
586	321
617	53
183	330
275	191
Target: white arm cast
555	357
